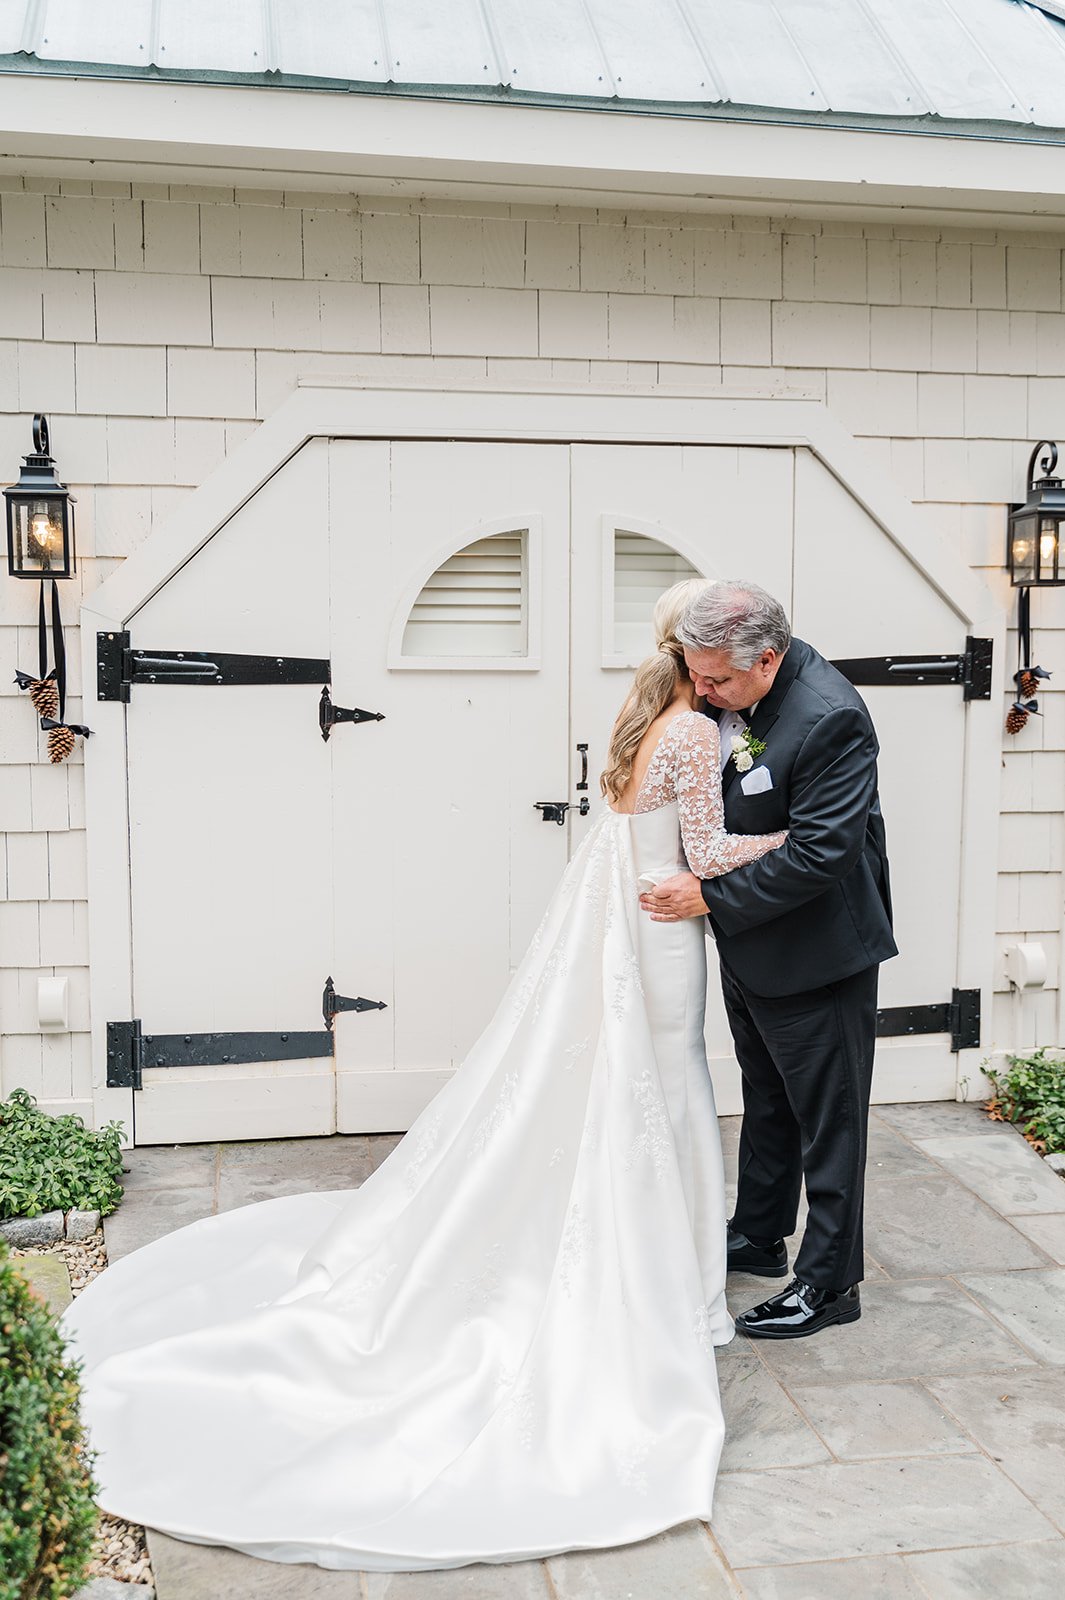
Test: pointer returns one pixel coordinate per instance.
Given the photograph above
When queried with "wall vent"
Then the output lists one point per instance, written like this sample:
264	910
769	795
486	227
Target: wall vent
475	603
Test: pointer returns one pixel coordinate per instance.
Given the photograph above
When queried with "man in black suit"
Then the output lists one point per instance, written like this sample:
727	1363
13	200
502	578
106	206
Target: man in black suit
800	935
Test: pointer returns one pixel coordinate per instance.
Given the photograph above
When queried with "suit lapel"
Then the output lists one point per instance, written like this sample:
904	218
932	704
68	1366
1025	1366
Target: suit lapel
767	710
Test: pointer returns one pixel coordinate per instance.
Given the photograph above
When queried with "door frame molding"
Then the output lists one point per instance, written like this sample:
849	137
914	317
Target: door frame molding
557	414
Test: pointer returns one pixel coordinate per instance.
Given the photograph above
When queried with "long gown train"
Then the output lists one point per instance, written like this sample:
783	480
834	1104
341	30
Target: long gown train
501	1345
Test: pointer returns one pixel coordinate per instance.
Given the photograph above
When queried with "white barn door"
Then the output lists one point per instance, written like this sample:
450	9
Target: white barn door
449	586
230	825
857	596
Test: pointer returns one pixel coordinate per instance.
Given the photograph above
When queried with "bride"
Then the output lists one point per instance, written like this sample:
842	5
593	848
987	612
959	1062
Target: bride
501	1345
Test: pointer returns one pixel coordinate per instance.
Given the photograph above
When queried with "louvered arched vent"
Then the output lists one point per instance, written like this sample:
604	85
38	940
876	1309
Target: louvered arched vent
475	603
644	568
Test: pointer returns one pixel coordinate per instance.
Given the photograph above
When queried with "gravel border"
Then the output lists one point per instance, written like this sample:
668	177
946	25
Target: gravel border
120	1550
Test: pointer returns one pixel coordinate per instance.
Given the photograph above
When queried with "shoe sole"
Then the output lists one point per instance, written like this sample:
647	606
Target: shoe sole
797	1333
762	1272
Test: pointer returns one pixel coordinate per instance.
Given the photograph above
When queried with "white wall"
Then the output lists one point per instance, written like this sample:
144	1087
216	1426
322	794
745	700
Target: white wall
155	326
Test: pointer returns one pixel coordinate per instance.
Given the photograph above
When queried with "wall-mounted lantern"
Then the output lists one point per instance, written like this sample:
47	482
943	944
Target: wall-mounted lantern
1034	560
40	544
40	516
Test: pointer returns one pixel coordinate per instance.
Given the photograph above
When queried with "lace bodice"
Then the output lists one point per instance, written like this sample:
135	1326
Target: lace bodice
686	767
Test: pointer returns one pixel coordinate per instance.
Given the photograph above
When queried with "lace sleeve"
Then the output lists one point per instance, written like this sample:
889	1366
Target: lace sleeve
709	848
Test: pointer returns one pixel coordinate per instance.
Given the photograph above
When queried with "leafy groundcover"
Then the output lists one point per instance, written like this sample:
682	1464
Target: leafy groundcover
48	1514
53	1163
1030	1092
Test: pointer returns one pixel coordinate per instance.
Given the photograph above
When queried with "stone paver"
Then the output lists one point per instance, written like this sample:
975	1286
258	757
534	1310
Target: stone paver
763	1427
1020	1422
927	1227
155	1212
1030	1304
861	1421
828	1512
185	1571
876	1578
1003	1173
48	1277
682	1564
1027	1571
907	1330
1047	1232
914	1455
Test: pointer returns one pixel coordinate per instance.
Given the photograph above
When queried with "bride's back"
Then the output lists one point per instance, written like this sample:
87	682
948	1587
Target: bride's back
626	800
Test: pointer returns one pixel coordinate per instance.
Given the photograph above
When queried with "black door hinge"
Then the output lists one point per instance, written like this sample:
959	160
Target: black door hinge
118	667
333	1002
329	714
130	1049
972	669
959	1016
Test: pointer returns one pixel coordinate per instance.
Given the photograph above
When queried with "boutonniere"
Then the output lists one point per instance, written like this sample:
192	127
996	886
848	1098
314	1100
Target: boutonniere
745	747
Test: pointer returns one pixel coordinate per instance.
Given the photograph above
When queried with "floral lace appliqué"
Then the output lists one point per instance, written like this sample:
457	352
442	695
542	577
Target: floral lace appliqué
654	1142
686	767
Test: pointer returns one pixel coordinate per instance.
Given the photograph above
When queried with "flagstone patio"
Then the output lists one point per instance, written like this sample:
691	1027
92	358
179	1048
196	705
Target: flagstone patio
919	1452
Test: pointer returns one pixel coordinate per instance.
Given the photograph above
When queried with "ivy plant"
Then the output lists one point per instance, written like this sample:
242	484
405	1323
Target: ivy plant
53	1163
1030	1092
48	1515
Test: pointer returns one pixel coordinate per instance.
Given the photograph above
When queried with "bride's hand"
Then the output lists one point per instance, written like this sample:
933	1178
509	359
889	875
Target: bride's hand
674	899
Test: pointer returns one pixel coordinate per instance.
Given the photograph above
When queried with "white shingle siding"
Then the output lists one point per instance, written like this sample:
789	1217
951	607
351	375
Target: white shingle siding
157	328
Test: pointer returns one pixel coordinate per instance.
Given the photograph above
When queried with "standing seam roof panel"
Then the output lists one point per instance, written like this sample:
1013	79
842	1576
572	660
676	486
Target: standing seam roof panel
979	60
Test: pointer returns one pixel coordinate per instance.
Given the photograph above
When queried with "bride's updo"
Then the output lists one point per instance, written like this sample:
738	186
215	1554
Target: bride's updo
653	688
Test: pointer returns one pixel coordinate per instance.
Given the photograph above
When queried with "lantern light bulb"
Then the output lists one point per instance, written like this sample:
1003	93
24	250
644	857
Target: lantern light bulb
1048	543
41	529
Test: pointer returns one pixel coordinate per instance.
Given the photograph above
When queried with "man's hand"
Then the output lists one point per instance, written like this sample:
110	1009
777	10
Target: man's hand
675	899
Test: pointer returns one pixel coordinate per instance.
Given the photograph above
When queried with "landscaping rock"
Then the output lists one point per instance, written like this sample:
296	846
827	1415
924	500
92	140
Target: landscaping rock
23	1231
111	1589
1056	1163
82	1224
48	1277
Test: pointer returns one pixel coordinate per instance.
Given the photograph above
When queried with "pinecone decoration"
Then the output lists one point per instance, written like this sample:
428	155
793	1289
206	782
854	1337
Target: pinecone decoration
1028	684
45	697
61	743
1016	719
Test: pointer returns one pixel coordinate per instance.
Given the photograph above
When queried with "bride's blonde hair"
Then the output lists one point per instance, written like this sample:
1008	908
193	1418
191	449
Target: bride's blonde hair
654	686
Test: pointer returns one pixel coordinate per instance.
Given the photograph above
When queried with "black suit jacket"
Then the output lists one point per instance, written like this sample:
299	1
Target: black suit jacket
819	908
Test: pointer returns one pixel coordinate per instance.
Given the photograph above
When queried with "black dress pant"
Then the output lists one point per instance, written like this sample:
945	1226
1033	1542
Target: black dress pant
807	1066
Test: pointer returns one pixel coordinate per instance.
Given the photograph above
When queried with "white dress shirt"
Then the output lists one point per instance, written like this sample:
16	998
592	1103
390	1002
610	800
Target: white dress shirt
729	724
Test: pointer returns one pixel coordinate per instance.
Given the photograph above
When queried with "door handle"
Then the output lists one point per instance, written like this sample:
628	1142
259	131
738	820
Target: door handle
582	751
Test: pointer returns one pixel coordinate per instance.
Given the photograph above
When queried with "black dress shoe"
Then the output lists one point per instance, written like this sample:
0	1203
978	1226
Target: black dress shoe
798	1310
763	1260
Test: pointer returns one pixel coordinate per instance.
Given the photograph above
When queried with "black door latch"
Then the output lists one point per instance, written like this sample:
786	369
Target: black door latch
555	810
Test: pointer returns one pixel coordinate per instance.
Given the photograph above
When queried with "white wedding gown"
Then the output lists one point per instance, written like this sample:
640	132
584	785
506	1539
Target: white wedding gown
501	1345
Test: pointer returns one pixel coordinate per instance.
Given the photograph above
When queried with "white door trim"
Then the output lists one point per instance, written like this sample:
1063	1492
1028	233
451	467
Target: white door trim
535	413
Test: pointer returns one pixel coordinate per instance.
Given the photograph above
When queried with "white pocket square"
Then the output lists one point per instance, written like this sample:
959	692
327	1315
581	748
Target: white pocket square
757	781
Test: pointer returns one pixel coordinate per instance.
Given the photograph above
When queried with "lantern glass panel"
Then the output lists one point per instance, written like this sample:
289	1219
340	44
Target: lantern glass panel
1024	550
1049	548
39	535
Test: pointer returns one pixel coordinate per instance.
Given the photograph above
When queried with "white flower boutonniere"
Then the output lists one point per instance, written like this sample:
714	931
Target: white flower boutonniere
745	747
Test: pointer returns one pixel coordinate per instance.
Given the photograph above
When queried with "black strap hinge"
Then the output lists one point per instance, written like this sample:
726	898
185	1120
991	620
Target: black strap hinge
118	667
329	714
972	670
959	1016
333	1002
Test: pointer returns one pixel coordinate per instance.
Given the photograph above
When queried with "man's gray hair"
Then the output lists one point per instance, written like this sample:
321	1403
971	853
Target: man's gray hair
737	617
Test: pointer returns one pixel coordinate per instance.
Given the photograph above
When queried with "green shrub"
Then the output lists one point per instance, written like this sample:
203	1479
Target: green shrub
1031	1093
48	1513
52	1163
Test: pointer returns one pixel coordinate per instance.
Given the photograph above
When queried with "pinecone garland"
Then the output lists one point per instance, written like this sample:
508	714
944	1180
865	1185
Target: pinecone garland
1028	684
45	697
1016	719
61	743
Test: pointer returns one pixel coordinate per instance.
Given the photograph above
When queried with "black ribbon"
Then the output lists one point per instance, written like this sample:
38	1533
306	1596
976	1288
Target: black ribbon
58	647
59	655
